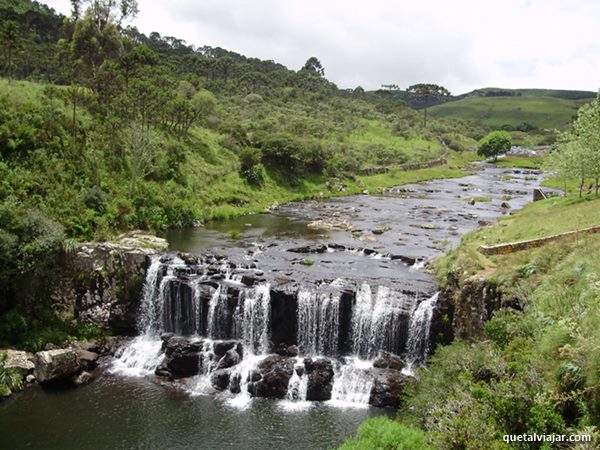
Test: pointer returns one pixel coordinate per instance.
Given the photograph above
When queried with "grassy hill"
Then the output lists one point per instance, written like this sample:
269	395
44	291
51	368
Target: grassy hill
512	112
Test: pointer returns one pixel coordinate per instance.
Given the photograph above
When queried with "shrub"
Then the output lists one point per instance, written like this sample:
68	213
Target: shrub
384	433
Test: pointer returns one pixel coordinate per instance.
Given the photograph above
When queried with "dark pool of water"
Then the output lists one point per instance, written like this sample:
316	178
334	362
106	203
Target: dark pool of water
123	413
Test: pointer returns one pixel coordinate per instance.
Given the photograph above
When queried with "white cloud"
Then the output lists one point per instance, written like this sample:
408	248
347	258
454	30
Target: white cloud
463	44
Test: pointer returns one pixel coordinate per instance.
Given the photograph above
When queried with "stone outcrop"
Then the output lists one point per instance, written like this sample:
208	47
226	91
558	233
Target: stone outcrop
56	365
20	361
465	306
101	282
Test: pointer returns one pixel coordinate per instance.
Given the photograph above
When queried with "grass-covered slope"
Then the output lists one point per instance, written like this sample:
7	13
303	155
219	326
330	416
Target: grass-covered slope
512	112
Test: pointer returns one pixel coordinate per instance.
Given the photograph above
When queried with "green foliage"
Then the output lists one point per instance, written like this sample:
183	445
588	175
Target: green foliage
10	379
382	433
494	144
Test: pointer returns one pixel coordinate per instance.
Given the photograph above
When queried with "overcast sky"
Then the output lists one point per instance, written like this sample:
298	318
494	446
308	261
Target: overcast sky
461	44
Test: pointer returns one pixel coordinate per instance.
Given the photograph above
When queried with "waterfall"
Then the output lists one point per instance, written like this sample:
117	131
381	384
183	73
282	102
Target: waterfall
377	320
208	301
417	345
318	323
254	319
298	384
352	384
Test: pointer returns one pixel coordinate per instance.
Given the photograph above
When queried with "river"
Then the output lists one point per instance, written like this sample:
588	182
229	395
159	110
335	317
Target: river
387	239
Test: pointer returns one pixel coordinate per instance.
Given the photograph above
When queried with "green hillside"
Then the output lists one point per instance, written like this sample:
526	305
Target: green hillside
513	113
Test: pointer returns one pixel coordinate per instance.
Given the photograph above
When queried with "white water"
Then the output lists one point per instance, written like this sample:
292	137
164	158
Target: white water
318	323
418	332
255	318
352	384
139	358
376	318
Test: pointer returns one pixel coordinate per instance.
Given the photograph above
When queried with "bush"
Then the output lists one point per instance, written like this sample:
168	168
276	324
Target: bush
386	434
494	144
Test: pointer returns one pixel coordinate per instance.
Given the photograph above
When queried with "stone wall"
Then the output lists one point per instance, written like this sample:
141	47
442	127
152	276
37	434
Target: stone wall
412	166
511	247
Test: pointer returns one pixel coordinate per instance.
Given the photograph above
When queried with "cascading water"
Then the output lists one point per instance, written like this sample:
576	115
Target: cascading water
417	345
378	320
209	302
318	323
352	384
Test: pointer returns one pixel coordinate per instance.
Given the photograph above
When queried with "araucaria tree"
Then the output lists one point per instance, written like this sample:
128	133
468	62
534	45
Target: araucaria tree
494	144
425	93
12	43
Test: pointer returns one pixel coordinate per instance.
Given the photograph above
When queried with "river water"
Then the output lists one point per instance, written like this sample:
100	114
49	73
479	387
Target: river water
389	238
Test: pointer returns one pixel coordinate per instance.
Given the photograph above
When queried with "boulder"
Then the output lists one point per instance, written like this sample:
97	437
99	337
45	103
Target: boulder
320	379
112	345
229	359
387	388
222	347
82	378
220	379
183	357
87	360
19	360
54	365
286	350
387	360
271	378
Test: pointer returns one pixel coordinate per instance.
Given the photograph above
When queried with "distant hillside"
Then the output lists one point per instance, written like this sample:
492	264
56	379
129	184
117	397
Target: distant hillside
502	92
519	112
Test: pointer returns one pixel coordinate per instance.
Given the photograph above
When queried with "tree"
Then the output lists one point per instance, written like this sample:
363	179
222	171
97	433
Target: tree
313	65
494	144
141	153
578	152
424	93
12	44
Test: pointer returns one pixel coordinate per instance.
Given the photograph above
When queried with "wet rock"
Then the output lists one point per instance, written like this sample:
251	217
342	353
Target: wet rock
505	205
387	389
21	361
183	365
111	345
286	350
82	378
87	360
272	377
387	360
330	224
380	230
54	365
181	345
220	348
183	356
220	379
231	358
30	379
320	379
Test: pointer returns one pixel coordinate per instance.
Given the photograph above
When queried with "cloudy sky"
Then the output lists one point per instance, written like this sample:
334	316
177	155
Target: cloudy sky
461	44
